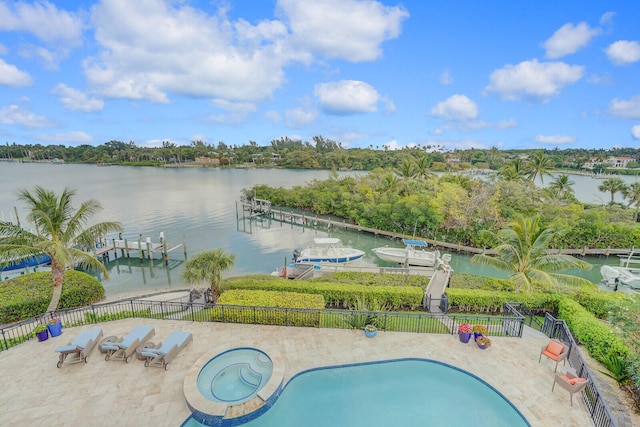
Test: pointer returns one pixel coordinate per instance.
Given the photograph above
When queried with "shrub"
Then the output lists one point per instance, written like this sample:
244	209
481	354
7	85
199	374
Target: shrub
29	295
492	302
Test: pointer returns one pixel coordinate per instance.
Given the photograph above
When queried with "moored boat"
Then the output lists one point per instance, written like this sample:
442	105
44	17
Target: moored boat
411	254
327	250
612	275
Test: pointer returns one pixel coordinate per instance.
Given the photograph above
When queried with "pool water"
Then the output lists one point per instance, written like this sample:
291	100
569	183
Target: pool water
406	392
235	376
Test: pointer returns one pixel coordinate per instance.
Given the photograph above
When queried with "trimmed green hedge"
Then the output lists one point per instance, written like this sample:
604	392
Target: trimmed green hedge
29	295
598	337
341	295
491	302
373	279
473	281
259	298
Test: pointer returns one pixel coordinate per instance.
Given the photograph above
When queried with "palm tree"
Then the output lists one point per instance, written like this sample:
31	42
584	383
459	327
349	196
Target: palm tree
208	266
513	171
562	186
632	192
58	232
612	185
539	165
522	250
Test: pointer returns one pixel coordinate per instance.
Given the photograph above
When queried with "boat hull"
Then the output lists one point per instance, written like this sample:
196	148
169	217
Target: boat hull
623	275
327	250
407	256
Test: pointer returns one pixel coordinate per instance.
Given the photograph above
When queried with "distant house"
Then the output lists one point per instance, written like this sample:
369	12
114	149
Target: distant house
452	160
611	161
207	161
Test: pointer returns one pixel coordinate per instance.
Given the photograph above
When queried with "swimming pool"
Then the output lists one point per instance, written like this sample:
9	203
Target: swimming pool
235	376
404	392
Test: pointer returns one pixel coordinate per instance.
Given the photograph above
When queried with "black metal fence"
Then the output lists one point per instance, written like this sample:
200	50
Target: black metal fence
592	397
510	324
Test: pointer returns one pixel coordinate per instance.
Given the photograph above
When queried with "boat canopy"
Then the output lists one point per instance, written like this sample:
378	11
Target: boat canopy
414	242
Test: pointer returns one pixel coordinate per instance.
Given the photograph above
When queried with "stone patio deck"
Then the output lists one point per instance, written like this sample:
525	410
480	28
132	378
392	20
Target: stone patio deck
115	393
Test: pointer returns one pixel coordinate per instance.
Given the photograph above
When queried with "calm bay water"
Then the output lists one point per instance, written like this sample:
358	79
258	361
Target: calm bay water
199	205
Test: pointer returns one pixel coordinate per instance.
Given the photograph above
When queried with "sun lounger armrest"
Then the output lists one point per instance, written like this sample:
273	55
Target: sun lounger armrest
151	352
67	349
110	346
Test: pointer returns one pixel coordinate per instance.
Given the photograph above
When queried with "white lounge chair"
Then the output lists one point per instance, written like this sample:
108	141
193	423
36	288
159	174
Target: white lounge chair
167	350
126	347
81	346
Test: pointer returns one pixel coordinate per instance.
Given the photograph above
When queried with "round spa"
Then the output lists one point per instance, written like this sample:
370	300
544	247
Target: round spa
233	387
235	376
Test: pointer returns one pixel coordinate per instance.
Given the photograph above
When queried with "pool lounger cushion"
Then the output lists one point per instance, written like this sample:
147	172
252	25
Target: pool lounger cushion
167	350
126	347
80	347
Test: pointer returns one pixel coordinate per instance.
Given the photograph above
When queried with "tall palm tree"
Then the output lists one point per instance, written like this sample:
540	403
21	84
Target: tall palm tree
59	230
522	250
562	186
539	165
208	266
612	185
632	193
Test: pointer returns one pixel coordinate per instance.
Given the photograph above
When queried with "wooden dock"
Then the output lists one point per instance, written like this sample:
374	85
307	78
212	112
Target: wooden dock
143	248
305	220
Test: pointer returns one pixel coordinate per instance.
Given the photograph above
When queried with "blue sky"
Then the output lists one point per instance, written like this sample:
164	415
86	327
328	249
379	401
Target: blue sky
509	74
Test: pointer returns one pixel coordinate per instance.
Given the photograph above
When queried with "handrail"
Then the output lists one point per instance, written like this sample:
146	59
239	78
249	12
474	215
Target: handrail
596	405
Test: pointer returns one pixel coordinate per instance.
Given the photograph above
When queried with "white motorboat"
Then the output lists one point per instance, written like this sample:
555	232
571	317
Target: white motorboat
411	254
327	250
612	275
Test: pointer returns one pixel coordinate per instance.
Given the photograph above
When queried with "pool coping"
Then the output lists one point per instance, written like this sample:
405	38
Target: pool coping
219	413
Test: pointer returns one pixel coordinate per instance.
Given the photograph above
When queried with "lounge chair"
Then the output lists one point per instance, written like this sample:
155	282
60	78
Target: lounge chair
167	350
570	382
555	350
126	347
81	346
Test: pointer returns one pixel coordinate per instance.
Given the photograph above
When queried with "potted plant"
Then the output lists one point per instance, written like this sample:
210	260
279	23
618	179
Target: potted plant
55	326
41	331
464	332
370	330
479	330
483	342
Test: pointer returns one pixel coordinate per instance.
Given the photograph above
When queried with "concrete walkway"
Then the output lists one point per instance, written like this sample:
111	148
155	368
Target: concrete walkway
114	393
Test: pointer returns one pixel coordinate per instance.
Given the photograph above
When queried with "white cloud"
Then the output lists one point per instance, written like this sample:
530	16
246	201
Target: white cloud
555	139
43	20
22	117
347	29
635	132
73	99
59	29
389	105
533	79
569	39
76	137
346	97
11	76
182	50
236	112
456	107
626	109
446	78
624	52
607	18
299	117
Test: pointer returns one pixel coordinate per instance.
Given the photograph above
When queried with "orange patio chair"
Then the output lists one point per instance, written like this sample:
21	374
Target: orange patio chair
570	382
555	350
